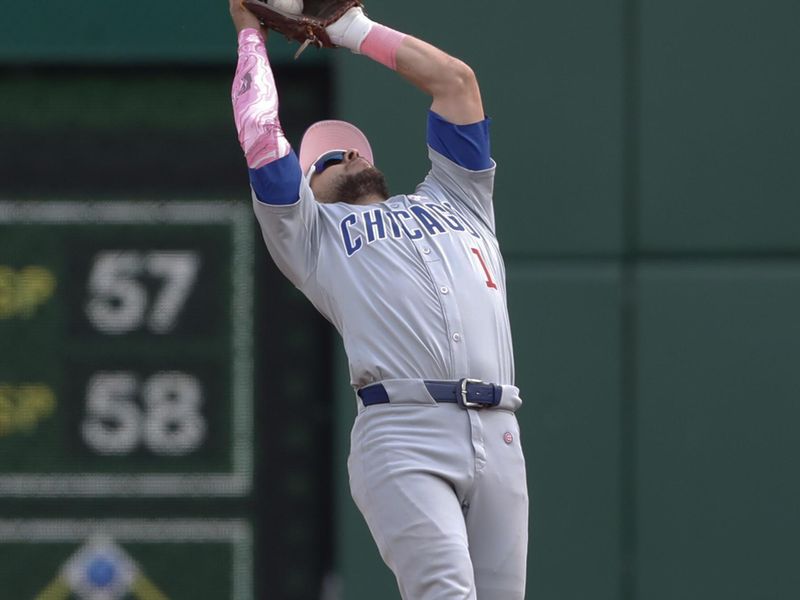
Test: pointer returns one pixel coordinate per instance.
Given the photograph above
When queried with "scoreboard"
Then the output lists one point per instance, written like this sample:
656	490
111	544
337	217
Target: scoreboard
134	301
126	559
125	349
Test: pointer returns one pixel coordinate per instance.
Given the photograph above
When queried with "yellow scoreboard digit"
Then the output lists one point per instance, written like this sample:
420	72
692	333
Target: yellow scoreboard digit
125	349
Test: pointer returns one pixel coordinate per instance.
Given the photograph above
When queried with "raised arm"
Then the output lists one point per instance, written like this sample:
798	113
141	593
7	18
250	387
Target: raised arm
273	167
449	81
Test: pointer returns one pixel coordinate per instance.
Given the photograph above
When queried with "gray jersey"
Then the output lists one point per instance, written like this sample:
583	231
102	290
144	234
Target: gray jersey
415	285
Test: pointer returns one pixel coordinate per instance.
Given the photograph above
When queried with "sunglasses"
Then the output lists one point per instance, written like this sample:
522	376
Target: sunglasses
329	159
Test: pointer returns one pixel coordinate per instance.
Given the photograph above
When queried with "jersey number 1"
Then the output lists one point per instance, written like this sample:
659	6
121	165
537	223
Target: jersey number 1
489	281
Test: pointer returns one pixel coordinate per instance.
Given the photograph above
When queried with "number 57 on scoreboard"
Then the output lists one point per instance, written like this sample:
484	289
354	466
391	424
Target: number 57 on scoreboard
125	349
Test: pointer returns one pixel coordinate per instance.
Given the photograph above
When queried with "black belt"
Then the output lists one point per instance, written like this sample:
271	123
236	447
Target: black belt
469	393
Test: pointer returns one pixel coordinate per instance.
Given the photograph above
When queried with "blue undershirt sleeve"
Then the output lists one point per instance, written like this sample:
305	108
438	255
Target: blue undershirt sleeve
278	182
466	145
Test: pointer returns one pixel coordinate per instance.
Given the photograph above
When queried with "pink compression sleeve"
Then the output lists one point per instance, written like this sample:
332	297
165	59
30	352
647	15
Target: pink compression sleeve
255	103
381	45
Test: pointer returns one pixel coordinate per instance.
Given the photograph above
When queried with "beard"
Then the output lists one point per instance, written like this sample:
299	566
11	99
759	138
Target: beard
352	188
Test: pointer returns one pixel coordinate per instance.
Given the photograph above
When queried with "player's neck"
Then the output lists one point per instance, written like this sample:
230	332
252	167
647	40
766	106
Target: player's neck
368	199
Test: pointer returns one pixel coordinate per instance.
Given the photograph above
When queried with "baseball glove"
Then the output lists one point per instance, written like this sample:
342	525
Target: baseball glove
307	27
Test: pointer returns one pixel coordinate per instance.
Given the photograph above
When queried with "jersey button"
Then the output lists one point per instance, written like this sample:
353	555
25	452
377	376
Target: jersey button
444	289
456	337
426	250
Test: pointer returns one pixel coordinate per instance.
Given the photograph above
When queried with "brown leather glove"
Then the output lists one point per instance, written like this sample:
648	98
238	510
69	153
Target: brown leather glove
307	28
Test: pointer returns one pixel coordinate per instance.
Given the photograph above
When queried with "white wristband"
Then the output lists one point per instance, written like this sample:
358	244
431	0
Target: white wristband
349	31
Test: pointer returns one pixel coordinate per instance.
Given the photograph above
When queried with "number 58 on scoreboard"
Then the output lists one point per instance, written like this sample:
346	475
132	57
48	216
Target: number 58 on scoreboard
125	349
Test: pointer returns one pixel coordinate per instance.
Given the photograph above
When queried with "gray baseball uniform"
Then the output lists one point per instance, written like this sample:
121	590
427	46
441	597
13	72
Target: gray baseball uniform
416	287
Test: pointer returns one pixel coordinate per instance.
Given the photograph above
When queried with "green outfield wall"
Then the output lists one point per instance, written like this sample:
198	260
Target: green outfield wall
648	206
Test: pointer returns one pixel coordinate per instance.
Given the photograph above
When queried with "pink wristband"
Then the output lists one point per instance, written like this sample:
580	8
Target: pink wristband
381	45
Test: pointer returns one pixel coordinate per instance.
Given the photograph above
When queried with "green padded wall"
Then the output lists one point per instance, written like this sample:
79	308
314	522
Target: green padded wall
94	32
718	410
720	135
567	341
659	384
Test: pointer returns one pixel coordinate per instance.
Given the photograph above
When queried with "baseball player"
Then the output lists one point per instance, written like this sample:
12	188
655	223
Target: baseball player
415	285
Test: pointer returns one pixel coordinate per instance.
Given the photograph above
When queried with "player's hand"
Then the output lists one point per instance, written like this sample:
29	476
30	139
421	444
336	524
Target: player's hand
243	18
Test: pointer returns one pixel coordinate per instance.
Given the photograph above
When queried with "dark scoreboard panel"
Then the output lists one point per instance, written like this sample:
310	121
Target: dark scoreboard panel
126	559
125	349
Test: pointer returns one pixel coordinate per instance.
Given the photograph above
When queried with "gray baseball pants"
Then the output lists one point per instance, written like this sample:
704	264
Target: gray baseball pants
443	491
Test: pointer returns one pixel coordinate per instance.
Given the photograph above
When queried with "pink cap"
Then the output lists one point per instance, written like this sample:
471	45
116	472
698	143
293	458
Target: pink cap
324	136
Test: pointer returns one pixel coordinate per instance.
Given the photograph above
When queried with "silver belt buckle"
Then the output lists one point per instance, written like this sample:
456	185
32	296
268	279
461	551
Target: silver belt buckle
466	403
